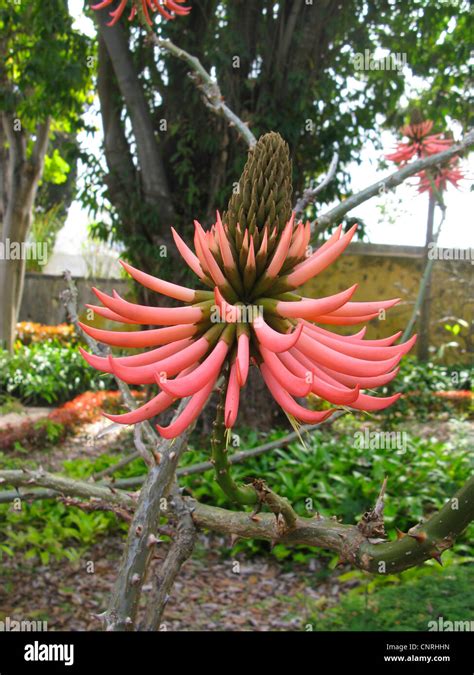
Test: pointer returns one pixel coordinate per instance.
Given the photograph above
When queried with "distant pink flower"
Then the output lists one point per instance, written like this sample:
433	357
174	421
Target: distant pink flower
441	176
160	6
251	315
420	143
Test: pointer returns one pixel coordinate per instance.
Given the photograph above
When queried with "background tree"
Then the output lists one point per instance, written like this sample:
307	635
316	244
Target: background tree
44	83
286	66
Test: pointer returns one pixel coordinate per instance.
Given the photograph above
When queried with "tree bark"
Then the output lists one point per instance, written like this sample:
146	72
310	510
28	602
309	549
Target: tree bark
21	175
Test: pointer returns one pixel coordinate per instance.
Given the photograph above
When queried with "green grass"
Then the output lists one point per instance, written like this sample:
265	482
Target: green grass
408	605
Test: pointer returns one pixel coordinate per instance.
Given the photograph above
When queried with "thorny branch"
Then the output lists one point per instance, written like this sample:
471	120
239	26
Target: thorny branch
422	542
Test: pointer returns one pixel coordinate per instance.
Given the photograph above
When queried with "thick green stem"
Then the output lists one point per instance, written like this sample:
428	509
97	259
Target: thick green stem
239	494
257	493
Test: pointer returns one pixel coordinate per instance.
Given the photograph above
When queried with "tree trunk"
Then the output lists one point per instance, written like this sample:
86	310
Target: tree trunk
20	178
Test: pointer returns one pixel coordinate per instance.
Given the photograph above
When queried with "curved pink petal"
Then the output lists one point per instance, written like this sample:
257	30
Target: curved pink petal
153	407
352	309
189	414
228	313
224	246
189	257
152	315
102	362
159	285
326	356
319	260
208	369
345	320
307	308
243	359
281	250
373	403
283	398
140	338
357	337
232	398
362	350
167	367
111	316
368	382
214	269
301	366
272	339
295	385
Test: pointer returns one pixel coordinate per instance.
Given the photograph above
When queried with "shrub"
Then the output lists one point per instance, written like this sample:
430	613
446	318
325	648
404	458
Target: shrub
48	372
410	605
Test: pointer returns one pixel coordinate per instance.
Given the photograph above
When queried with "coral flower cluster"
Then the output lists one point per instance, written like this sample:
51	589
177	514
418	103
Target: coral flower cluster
168	9
421	143
252	261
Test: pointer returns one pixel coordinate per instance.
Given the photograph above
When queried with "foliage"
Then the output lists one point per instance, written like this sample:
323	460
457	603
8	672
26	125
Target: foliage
46	64
48	529
282	68
44	231
48	372
422	384
342	478
409	605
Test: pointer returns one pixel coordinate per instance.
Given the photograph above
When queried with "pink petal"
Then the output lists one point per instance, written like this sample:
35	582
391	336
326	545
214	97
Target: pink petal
140	338
189	414
214	269
362	351
281	250
111	316
301	365
242	362
345	320
232	398
307	308
152	315
190	258
159	285
102	362
326	356
272	339
364	382
288	404
297	386
226	251
208	369
228	313
320	260
355	309
171	365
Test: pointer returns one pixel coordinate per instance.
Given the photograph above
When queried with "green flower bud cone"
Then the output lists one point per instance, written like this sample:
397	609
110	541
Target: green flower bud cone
264	190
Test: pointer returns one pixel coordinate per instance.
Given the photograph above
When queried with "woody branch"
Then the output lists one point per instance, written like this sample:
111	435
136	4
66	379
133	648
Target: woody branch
355	544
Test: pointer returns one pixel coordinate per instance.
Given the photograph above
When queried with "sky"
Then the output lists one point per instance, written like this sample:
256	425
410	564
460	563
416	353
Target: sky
397	218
